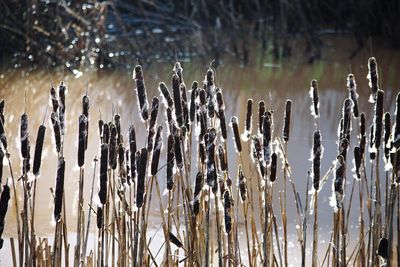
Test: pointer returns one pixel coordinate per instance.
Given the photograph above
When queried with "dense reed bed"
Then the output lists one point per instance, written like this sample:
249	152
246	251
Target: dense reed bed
212	212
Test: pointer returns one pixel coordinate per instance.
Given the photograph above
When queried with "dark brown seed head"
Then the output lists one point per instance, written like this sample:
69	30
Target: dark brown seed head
352	87
315	98
100	124
220	100
61	114
383	248
357	161
249	114
170	162
57	132
85	106
5	197
378	118
113	147
242	183
193	95
261	111
339	181
177	99
267	138
106	133
199	183
373	76
103	173
54	100
58	195
387	133
235	131
274	162
141	176
286	127
156	151
132	151
117	123
166	94
2	154
227	211
82	135
317	154
99	217
396	134
202	97
24	136
141	92
372	150
174	240
222	160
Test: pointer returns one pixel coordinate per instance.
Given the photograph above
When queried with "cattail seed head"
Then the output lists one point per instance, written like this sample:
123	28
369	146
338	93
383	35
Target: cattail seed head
357	161
141	92
373	78
113	147
117	123
387	134
396	134
103	173
82	135
211	170
267	138
37	158
248	122
274	162
57	131
199	183
222	123
170	162
85	105
178	151
220	100
141	162
178	71
236	136
99	217
261	111
193	95
222	160
5	197
378	118
352	87
372	149
315	99
227	211
53	99
177	100
340	171
383	248
174	240
100	124
106	133
2	154
3	138
317	154
62	89
24	136
286	127
156	151
166	94
58	196
242	184
132	151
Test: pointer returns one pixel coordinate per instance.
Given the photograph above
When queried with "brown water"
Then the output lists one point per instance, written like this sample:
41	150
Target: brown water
273	83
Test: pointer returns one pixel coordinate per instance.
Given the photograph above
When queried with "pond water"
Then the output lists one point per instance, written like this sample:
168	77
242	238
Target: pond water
274	83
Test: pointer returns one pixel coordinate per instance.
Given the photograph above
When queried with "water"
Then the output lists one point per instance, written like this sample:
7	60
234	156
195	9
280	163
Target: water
114	92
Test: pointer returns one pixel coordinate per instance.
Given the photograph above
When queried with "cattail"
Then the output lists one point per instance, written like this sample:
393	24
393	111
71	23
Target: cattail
174	240
132	151
352	87
57	132
170	161
117	123
286	127
193	95
121	162
210	87
248	122
222	123
220	99
197	192
106	133
54	100
166	95
387	133
363	136
383	248
340	172
103	173
267	138
85	111
153	119
141	92
210	148
141	162
317	155
378	119
274	162
2	154
242	184
315	99
257	155
3	138
372	149
396	136
157	151
24	136
373	78
37	158
357	161
235	131
61	114
178	71
227	209
222	160
82	134
5	197
261	111
59	189
101	124
113	147
202	152
202	97
177	99
99	217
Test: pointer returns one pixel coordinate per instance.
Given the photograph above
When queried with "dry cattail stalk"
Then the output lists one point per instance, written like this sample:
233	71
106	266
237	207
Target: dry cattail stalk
132	151
99	217
141	92
396	134
317	155
193	95
274	162
197	192
340	172
5	197
222	160
58	196
82	135
378	119
387	134
62	89
54	99
112	158
170	161
103	173
352	87
315	99
57	131
242	184
211	170
156	151
236	136
166	95
227	210
286	127
373	78
261	111
267	125
141	162
177	99
248	122
37	158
